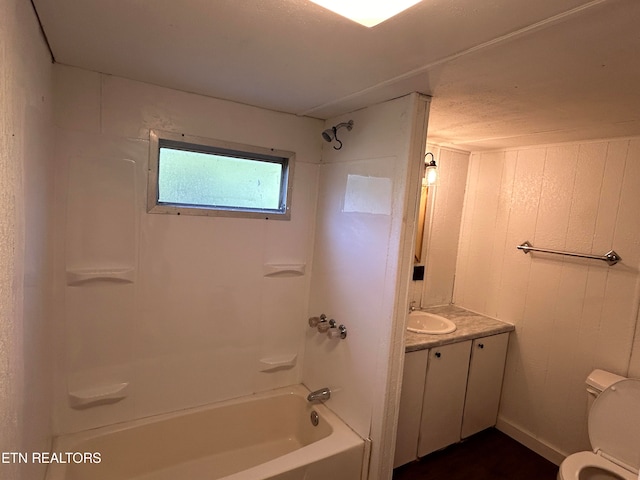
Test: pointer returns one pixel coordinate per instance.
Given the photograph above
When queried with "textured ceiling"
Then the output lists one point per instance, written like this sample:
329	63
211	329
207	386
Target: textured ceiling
501	72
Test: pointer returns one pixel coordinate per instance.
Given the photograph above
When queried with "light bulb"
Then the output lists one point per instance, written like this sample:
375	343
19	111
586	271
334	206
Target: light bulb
432	174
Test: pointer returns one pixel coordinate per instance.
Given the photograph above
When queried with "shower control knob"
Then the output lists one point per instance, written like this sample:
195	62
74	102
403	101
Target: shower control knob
314	321
333	333
337	332
323	326
343	331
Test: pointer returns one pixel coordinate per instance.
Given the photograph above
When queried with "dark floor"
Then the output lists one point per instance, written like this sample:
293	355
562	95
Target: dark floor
488	455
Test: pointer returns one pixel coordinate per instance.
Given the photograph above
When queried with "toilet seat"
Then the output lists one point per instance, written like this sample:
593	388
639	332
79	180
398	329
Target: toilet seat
571	466
614	424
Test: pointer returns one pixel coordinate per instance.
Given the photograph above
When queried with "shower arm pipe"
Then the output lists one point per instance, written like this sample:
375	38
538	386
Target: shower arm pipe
348	124
611	257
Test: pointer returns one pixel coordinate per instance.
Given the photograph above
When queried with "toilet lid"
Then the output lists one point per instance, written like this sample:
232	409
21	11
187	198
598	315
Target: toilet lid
614	422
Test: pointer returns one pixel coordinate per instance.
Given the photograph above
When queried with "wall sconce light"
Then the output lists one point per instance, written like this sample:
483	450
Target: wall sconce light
431	171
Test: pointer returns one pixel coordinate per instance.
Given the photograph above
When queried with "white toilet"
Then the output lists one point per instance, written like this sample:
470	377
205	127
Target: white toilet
614	431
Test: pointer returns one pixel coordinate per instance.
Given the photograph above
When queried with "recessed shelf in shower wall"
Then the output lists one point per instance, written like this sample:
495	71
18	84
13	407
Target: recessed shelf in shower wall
278	362
119	275
92	397
284	269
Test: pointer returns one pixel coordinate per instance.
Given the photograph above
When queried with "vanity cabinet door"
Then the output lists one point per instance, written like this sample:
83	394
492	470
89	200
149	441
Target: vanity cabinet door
415	366
444	393
486	370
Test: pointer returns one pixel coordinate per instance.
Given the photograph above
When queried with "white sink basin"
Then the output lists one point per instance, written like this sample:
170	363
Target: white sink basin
423	322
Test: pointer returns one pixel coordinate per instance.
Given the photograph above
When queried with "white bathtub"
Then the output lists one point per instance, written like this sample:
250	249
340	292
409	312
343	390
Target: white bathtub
256	437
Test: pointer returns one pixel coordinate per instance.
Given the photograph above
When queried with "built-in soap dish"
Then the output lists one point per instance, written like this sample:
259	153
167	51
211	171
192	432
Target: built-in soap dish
278	362
119	275
284	270
103	395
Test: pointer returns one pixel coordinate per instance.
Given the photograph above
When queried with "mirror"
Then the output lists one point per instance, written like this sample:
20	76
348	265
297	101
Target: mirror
439	228
422	230
422	219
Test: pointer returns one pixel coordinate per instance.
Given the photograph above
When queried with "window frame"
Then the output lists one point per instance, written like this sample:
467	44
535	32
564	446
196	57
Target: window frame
159	139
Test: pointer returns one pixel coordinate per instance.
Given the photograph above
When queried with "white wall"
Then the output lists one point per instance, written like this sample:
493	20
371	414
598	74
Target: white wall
571	315
442	228
199	315
359	262
26	189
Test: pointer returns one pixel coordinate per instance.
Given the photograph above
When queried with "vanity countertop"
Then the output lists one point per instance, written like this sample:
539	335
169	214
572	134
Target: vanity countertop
470	325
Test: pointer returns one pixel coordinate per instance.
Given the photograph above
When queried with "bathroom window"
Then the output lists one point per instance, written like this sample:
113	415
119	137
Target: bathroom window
198	176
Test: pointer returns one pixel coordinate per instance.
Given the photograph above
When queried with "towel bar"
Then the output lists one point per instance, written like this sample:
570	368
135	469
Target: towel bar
611	257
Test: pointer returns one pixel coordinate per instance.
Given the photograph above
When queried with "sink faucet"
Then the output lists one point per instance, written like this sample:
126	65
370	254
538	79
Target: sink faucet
412	306
319	395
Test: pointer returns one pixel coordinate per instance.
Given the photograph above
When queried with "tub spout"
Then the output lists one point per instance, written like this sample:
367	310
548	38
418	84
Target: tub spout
320	395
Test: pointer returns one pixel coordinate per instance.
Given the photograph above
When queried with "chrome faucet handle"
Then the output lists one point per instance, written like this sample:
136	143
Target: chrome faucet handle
412	306
323	326
337	332
314	321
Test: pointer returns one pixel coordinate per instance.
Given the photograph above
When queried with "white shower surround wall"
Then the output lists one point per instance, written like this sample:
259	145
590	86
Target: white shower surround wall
199	316
361	266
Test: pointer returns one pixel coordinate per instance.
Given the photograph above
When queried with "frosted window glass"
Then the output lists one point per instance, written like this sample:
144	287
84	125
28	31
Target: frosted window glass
214	180
191	175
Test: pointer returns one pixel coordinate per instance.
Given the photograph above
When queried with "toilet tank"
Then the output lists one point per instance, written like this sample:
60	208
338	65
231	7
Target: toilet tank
599	380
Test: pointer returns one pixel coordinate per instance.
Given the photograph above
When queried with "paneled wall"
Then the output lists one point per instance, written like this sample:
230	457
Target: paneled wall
26	191
195	314
571	315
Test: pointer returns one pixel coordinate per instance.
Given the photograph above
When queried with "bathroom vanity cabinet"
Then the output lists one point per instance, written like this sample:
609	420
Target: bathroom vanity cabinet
449	392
